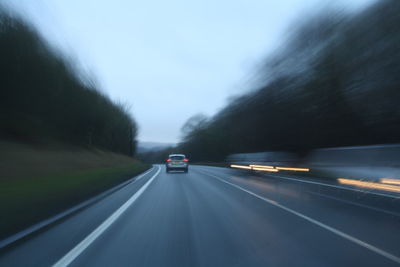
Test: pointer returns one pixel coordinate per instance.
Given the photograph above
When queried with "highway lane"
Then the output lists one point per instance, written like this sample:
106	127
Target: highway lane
221	217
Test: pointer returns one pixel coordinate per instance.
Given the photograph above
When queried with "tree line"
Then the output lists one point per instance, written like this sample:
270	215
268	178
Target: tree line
44	97
334	82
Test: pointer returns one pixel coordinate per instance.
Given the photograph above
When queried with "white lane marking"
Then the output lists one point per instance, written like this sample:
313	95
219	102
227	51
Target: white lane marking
340	187
11	239
342	200
78	249
355	204
318	223
331	185
334	186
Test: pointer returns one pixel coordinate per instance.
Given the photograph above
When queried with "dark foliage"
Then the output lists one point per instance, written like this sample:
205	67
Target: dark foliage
42	98
157	156
334	83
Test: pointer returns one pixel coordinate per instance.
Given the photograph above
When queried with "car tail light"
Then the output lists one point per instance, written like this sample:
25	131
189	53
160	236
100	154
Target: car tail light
168	160
185	160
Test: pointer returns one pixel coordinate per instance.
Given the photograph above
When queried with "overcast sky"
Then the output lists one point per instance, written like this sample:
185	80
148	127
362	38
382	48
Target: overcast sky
169	59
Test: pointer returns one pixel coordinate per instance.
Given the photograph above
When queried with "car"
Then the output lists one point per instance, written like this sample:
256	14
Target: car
177	162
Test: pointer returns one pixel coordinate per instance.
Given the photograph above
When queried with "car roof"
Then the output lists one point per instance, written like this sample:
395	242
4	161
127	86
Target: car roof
172	155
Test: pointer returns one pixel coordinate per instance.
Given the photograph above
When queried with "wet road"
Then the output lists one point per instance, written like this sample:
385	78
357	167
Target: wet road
221	217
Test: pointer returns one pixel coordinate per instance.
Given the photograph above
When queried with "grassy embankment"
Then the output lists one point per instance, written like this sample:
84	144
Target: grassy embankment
37	182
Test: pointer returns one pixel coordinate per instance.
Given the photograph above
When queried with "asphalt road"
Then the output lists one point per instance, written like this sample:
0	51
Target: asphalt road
222	217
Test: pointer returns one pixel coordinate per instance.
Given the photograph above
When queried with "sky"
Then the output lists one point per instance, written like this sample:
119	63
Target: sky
169	60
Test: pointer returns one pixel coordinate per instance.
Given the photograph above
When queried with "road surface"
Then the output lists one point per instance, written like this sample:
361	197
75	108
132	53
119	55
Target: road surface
221	217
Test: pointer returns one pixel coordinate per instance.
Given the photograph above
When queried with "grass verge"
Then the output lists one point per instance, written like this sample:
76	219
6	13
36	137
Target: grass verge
27	197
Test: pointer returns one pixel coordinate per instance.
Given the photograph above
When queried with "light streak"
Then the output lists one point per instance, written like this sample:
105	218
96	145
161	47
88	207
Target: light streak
390	181
265	169
262	166
293	169
241	167
371	185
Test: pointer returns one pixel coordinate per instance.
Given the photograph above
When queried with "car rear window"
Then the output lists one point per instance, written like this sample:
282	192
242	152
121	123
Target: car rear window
177	157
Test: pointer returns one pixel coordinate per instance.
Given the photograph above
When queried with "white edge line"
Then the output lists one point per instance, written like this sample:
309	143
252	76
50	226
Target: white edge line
355	204
340	187
38	226
334	186
78	249
273	175
318	223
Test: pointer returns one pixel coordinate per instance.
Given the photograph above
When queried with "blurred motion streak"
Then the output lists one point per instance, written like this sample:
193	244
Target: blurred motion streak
241	167
269	168
45	96
334	82
371	185
390	181
265	169
293	169
262	166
